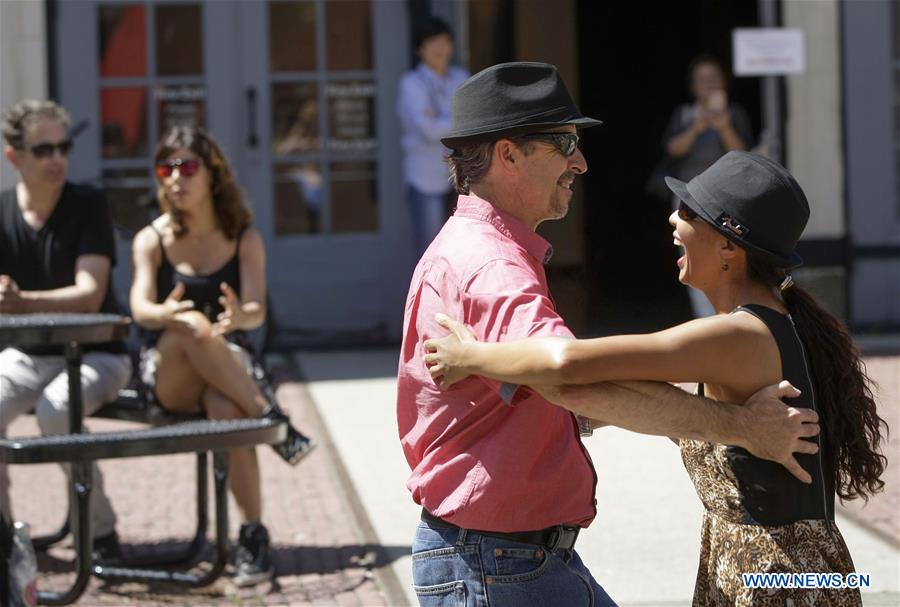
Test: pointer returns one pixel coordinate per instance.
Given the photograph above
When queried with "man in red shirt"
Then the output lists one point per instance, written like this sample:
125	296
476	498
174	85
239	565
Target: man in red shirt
503	479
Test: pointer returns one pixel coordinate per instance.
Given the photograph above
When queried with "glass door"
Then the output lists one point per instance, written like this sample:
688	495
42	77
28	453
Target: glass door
323	162
300	94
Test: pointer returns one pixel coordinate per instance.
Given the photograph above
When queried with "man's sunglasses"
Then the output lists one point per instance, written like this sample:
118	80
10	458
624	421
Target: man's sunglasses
45	150
685	212
186	167
565	143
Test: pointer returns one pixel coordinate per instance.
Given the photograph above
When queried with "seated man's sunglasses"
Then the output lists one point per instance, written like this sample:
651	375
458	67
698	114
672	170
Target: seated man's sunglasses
565	143
46	149
186	166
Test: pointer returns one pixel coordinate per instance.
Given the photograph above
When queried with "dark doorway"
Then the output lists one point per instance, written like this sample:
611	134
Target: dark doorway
632	62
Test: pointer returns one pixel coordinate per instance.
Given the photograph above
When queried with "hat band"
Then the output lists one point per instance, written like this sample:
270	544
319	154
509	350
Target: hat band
563	113
726	221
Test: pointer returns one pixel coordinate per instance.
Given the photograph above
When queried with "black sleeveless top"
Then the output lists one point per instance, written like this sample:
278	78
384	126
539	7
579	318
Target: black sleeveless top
769	494
202	289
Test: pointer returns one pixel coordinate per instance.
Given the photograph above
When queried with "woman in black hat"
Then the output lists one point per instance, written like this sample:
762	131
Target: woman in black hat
738	224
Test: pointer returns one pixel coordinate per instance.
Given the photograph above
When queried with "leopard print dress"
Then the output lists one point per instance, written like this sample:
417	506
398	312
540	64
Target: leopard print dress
759	519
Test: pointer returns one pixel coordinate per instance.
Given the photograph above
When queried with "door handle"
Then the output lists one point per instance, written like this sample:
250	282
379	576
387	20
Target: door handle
252	138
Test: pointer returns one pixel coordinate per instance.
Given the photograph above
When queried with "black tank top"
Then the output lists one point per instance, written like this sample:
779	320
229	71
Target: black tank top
202	289
769	493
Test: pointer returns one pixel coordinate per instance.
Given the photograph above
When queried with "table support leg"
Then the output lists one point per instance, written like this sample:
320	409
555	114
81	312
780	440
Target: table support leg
73	370
81	485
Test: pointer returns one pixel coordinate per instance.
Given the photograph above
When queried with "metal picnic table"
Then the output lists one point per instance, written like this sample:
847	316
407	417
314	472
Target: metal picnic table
73	331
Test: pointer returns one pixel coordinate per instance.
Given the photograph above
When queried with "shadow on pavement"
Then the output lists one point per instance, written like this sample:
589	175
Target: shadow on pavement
289	560
300	560
335	570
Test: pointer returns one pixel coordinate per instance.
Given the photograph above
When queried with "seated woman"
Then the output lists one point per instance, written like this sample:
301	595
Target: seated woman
199	284
738	222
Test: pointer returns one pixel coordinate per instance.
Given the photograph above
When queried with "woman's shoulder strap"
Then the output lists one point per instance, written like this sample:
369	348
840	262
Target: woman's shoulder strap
159	236
766	314
779	325
238	241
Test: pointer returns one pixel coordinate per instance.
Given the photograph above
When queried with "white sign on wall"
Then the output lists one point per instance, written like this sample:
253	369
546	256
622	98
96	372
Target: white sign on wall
765	51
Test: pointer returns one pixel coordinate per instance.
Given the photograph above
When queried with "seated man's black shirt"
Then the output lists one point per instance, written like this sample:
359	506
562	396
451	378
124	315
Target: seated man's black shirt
44	259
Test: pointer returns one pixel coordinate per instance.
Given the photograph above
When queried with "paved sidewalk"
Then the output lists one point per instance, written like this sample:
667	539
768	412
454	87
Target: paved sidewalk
320	552
882	513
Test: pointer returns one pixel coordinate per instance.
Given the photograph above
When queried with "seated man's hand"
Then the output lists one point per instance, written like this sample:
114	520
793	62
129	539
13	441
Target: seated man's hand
11	301
776	432
445	357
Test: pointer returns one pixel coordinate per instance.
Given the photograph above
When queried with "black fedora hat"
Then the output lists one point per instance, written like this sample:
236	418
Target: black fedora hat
753	201
511	99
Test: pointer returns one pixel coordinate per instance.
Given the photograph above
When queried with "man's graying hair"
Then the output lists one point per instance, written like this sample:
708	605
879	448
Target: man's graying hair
17	118
469	163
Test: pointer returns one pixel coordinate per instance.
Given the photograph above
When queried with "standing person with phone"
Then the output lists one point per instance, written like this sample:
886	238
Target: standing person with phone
702	131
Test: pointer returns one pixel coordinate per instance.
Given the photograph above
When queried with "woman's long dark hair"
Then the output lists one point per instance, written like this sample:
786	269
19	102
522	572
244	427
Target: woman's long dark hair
853	428
231	211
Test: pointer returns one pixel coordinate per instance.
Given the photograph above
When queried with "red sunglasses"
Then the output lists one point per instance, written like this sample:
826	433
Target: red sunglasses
186	167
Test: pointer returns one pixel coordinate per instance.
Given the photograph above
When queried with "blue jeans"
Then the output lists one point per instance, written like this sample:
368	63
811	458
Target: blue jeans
429	212
457	567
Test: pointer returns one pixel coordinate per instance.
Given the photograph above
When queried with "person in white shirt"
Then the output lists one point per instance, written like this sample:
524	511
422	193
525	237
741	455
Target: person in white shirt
423	105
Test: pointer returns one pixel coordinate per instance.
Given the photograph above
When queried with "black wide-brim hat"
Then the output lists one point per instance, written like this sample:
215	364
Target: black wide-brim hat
752	201
510	99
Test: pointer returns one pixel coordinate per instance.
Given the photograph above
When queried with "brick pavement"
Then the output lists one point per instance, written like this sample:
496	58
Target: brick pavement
320	553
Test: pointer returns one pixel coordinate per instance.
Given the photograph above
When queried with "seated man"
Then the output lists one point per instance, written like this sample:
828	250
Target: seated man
56	251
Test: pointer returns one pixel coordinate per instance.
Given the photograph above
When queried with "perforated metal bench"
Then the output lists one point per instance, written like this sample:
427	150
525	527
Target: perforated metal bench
130	406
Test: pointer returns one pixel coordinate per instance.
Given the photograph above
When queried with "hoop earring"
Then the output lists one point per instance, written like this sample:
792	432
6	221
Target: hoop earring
725	267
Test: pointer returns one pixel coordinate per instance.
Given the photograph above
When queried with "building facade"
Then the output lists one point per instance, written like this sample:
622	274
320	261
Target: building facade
301	94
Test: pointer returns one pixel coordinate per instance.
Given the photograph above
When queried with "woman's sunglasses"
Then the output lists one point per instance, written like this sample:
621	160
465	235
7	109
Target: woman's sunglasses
565	143
45	150
685	212
186	167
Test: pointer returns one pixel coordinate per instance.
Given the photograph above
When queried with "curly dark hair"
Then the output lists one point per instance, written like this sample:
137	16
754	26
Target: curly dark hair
232	213
852	426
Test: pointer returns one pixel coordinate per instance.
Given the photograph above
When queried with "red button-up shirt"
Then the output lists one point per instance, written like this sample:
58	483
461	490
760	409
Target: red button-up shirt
476	460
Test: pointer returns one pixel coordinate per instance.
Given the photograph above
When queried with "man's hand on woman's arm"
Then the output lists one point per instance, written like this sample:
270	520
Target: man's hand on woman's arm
764	425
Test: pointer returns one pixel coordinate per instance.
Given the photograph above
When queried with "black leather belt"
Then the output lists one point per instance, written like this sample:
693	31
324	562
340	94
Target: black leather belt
551	538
